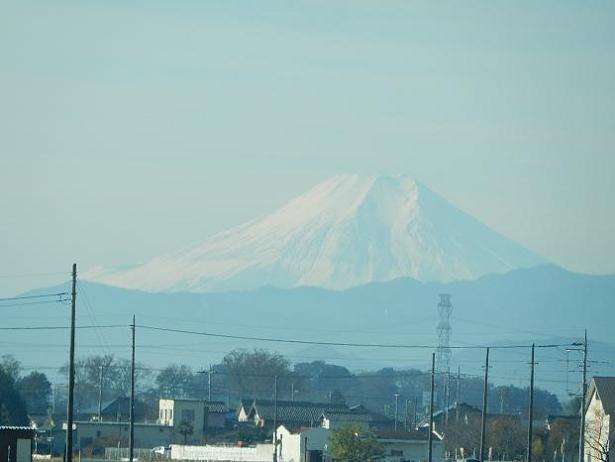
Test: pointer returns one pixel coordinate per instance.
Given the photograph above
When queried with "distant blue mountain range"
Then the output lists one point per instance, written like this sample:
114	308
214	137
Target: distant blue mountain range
545	305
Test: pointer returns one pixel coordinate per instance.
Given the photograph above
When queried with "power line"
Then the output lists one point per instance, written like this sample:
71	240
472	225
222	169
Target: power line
313	342
27	275
28	297
109	326
41	302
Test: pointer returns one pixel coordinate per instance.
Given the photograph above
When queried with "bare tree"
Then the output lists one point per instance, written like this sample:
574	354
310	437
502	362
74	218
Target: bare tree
598	438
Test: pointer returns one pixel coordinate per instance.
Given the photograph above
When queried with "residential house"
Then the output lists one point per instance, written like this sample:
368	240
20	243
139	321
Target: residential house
243	409
377	421
302	445
292	414
117	410
455	413
191	418
599	420
410	446
334	418
116	434
311	445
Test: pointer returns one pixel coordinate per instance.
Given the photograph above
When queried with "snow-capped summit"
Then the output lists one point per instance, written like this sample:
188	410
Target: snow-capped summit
346	231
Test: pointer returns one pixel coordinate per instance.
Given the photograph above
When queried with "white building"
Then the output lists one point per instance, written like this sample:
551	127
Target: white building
197	415
117	433
410	446
309	444
305	445
599	420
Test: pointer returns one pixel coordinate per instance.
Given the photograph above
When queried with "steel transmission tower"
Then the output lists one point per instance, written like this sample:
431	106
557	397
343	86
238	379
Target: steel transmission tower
445	309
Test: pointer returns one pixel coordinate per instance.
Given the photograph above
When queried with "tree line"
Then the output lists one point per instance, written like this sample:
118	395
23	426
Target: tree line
248	374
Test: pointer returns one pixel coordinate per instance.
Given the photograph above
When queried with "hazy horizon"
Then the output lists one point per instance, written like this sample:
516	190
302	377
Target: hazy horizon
131	130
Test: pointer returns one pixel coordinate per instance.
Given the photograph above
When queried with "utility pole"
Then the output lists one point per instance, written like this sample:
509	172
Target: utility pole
484	413
71	373
275	419
458	393
209	383
396	411
531	410
406	414
292	392
433	377
501	401
100	393
583	398
131	442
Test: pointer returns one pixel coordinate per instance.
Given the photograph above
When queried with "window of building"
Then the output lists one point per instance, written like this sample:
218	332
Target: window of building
188	415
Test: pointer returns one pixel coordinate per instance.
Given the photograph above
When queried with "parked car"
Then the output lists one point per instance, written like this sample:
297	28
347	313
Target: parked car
161	450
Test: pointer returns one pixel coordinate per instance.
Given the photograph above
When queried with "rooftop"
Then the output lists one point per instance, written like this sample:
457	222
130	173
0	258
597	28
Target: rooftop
605	387
407	436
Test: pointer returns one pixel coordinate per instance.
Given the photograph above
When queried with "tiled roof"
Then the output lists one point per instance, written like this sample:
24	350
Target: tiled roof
216	406
121	405
346	415
20	430
294	411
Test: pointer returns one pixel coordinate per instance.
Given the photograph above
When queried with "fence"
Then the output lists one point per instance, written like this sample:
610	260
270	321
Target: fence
138	453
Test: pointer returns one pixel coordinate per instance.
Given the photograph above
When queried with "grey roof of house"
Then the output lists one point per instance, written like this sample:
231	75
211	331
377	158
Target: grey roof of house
347	415
294	411
122	405
212	406
409	436
605	387
216	406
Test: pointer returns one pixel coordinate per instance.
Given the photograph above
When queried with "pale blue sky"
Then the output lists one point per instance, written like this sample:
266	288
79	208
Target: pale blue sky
129	129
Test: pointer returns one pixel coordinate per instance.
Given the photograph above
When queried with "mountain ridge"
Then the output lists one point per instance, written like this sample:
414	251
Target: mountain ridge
347	231
544	304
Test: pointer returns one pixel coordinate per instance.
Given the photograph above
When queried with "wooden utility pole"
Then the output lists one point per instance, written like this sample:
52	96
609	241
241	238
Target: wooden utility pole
458	393
71	373
275	419
484	413
131	442
433	376
583	398
100	393
396	411
406	414
531	410
209	384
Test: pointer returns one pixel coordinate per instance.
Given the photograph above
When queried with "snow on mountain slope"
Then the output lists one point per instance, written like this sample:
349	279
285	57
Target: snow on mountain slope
346	231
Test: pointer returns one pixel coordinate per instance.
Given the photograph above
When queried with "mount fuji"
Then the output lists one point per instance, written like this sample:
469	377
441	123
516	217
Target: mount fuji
347	231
